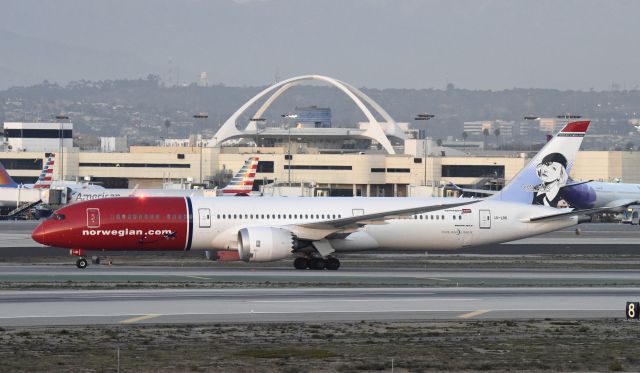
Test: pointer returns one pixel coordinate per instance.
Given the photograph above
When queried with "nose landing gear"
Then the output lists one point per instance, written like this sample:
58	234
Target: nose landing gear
317	263
82	261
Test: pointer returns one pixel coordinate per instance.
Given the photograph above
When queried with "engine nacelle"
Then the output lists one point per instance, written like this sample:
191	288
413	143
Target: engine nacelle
264	244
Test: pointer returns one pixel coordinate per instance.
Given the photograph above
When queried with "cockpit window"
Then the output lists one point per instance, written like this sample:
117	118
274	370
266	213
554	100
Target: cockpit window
57	217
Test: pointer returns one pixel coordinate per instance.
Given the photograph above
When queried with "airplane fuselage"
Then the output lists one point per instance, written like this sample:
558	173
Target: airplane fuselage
197	223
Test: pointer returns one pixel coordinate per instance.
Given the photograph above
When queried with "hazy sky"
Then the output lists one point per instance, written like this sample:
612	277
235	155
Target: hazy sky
477	44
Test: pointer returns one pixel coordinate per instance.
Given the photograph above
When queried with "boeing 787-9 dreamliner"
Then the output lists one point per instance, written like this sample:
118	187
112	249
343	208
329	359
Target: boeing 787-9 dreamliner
313	230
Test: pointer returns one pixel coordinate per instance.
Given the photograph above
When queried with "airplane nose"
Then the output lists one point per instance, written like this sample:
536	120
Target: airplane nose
38	234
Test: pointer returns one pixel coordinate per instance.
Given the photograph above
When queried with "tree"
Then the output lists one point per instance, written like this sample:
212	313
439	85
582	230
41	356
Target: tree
497	133
485	132
439	142
629	146
464	139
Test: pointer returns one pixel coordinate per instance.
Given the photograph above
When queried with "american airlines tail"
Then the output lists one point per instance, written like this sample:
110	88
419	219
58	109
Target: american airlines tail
46	176
540	181
242	182
5	179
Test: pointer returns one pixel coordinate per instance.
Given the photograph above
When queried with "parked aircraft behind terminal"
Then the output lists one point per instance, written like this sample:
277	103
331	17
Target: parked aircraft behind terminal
241	185
43	182
313	229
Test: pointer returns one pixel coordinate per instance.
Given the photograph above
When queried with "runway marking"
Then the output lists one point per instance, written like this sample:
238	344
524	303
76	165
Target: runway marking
473	314
139	318
363	300
436	279
200	278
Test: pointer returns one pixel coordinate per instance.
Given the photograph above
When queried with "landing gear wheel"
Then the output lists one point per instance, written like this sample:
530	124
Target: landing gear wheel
332	263
81	263
301	263
316	263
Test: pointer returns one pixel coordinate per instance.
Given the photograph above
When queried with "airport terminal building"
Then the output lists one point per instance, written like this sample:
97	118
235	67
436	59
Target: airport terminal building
379	157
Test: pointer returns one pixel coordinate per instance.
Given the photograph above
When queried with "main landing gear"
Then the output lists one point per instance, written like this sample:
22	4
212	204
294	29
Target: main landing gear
314	262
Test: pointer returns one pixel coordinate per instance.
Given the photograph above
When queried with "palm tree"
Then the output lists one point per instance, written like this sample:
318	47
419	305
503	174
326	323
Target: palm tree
485	132
497	133
464	139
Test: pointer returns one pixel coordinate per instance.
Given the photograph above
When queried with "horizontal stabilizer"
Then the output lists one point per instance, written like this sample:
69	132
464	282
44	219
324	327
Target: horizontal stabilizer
569	213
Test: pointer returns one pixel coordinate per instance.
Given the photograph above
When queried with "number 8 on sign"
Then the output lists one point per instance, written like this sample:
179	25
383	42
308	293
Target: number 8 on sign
632	310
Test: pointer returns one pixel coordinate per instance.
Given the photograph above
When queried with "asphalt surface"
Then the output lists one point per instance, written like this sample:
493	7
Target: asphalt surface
348	294
63	307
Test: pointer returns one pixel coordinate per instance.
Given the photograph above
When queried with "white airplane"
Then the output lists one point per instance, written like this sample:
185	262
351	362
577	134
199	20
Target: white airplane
314	229
240	185
593	194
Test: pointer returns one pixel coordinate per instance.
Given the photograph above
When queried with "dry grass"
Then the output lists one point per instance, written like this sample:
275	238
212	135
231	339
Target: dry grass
597	345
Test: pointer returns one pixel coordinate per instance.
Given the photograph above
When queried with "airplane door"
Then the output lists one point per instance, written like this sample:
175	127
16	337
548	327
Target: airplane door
357	212
485	219
204	218
93	218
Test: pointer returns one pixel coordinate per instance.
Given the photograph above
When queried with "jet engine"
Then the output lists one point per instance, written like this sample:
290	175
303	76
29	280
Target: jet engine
264	244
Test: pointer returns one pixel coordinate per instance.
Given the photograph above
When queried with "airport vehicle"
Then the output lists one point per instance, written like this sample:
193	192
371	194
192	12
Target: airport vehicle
313	229
241	185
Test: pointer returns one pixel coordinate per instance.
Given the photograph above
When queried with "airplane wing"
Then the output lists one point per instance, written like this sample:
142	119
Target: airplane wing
492	192
322	229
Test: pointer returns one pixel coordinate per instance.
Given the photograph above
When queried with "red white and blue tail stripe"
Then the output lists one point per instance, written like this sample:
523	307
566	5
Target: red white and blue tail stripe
46	176
242	182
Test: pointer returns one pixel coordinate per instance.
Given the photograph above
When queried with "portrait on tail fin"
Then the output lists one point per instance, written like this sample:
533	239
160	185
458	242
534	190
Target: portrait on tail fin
552	171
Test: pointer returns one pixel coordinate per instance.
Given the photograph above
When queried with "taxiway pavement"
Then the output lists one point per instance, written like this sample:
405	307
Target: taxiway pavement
66	307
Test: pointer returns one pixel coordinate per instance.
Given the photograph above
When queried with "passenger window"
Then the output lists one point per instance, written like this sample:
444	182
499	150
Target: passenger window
278	216
442	217
295	216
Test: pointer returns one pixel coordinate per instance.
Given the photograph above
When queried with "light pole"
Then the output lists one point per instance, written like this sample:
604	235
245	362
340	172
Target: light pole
202	116
289	116
425	117
61	118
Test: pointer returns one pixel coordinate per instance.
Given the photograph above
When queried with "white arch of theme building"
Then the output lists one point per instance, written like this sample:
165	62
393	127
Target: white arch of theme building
374	131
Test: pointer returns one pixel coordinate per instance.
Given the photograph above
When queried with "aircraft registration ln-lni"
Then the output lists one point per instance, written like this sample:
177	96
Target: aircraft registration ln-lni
314	230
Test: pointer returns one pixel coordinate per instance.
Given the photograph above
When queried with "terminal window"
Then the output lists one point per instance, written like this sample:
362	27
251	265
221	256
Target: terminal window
473	171
318	167
265	167
22	163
